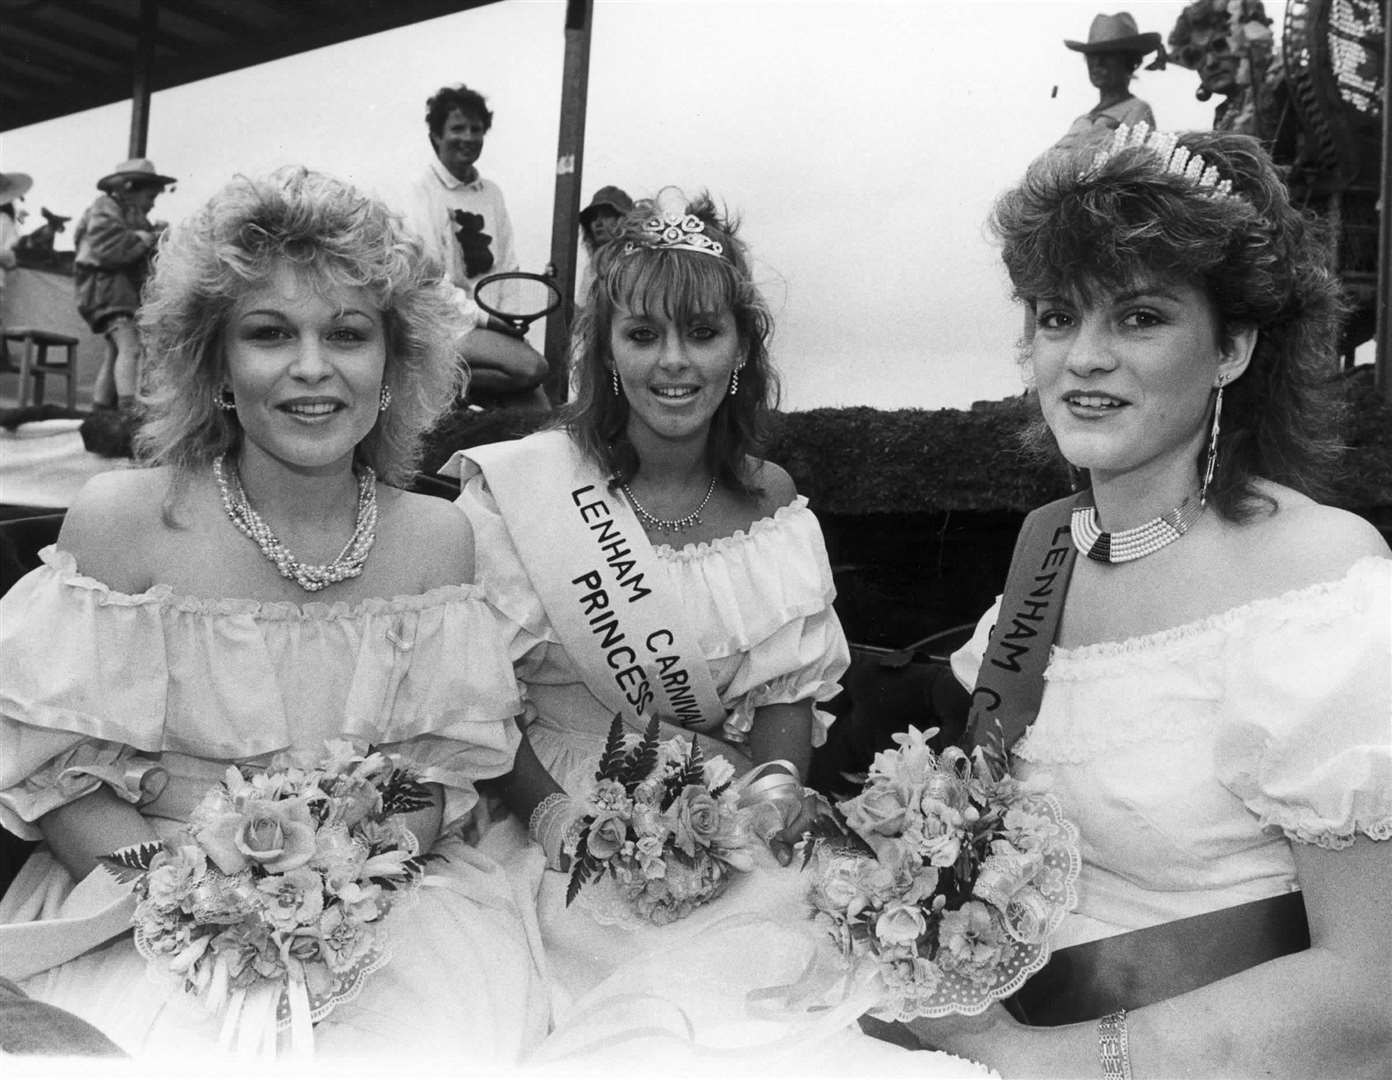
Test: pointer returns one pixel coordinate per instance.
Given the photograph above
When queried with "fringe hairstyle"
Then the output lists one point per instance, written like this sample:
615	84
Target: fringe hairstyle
679	285
335	237
1072	230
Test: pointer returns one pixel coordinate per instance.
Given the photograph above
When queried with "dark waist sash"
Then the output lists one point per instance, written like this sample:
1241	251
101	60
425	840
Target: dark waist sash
1130	970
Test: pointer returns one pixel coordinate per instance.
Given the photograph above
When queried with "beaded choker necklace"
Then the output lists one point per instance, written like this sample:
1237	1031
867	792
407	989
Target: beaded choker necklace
350	560
680	524
1128	544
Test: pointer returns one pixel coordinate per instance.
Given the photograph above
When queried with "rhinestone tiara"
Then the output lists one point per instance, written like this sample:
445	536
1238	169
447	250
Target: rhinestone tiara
1174	158
671	228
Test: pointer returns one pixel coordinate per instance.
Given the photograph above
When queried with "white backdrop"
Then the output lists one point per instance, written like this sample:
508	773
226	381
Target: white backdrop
861	141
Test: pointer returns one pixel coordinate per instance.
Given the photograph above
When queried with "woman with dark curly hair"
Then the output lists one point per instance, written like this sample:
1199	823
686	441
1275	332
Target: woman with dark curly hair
1207	688
656	566
263	586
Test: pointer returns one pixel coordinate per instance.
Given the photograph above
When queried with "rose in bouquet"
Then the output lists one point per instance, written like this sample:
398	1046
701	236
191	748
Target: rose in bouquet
278	884
662	823
952	878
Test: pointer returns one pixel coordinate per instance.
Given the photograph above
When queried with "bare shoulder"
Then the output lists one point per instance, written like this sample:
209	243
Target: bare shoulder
1309	542
431	534
109	525
778	487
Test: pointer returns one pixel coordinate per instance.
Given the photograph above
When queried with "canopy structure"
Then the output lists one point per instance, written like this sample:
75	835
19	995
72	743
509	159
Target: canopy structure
63	56
59	57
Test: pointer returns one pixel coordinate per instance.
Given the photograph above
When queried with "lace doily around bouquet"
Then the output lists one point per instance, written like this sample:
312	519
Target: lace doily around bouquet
970	992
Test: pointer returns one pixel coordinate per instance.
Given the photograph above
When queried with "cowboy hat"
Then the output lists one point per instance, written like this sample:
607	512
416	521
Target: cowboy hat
1116	33
137	172
615	198
13	186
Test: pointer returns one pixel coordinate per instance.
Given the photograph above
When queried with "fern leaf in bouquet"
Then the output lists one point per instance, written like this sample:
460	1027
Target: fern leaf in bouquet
694	769
642	760
611	761
585	867
130	863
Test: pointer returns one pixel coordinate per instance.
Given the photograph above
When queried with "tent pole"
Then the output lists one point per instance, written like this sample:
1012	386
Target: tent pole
143	69
1383	356
570	155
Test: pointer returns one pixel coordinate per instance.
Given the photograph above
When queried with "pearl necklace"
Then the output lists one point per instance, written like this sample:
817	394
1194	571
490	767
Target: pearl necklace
680	524
351	559
1129	544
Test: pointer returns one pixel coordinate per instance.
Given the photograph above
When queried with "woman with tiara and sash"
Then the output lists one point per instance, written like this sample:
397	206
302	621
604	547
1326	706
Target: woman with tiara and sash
1193	650
654	566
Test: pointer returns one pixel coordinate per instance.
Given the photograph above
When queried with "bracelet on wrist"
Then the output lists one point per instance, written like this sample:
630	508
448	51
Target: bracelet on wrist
549	823
1113	1051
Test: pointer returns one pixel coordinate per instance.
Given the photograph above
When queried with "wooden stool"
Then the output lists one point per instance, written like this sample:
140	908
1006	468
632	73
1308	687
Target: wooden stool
34	363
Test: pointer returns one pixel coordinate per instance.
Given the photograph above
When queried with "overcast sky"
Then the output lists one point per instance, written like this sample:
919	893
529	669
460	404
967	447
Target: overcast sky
861	141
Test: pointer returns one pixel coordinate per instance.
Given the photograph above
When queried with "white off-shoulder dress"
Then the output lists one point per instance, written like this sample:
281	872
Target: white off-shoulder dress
760	606
99	687
1193	758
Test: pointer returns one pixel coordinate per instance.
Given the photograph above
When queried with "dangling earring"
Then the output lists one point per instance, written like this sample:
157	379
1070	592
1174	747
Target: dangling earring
734	381
223	399
384	402
614	374
1212	462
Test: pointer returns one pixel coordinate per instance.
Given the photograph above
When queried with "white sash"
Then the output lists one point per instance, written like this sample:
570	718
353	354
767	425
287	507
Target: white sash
596	575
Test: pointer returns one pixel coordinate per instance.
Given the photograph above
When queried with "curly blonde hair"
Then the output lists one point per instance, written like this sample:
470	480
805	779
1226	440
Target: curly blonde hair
335	236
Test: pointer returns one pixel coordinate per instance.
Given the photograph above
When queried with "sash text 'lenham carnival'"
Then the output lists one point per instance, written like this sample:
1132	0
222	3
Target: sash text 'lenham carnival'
605	618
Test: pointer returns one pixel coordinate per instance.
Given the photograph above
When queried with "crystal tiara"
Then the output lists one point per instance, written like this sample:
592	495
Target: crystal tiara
671	228
1174	158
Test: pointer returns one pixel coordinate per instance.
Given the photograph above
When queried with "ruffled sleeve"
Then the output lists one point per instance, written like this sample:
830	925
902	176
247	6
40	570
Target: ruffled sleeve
762	599
49	754
1307	744
966	661
498	566
97	686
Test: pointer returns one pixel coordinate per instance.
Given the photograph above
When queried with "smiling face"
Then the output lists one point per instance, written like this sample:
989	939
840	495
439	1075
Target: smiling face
674	372
305	365
1124	380
460	143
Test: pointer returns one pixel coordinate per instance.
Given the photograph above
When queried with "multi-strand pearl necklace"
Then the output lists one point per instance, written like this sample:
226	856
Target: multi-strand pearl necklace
351	559
680	524
1129	544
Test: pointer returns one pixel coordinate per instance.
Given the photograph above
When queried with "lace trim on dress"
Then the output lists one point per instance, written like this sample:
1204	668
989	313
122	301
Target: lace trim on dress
1297	825
737	539
1310	605
163	596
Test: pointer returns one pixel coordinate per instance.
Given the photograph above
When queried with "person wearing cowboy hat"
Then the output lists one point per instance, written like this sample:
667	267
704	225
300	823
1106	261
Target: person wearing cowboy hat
114	239
1115	48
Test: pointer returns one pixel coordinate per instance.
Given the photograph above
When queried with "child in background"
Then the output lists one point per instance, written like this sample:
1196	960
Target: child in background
114	240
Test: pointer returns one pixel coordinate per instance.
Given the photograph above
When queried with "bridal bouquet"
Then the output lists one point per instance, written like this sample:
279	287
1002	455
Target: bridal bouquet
663	823
272	897
955	877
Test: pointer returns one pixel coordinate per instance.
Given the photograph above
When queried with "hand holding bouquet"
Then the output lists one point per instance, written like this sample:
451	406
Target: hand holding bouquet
663	823
961	875
278	885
